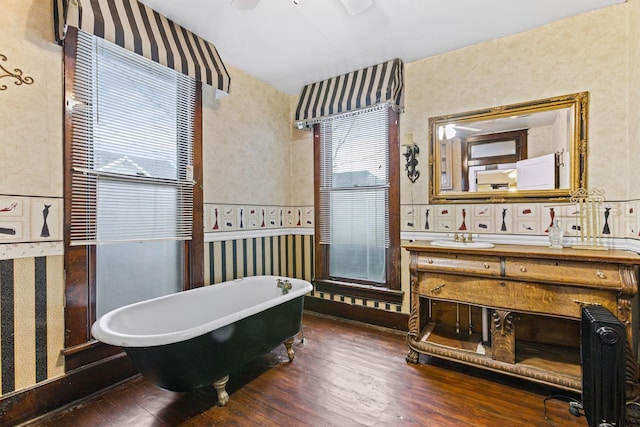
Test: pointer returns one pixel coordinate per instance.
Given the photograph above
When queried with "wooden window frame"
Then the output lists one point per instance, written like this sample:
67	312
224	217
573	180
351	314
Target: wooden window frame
324	283
80	261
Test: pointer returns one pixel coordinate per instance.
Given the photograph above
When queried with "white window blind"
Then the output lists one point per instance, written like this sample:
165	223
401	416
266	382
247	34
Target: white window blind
132	148
354	193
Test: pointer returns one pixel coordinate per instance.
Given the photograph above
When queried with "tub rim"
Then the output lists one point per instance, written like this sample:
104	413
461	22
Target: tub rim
102	332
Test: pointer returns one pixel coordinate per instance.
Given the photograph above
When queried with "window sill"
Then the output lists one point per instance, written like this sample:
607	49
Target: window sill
359	291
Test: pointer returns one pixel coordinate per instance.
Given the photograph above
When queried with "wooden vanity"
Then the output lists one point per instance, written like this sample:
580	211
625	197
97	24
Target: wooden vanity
536	290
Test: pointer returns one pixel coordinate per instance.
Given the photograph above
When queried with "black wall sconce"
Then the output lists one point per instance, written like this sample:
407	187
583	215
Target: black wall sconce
411	164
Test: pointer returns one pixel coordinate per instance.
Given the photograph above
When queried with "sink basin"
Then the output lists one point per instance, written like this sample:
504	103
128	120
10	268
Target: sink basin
454	244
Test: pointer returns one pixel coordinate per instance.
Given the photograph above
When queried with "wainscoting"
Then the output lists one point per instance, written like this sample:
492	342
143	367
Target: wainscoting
288	255
31	321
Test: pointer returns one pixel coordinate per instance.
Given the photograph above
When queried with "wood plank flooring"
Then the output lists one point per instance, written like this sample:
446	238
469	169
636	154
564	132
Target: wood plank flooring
343	374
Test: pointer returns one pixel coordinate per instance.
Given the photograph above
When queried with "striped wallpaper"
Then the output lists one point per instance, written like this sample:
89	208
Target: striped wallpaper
282	255
31	321
288	255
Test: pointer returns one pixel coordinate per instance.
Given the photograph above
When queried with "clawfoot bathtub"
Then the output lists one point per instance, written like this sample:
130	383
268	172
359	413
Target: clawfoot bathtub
196	338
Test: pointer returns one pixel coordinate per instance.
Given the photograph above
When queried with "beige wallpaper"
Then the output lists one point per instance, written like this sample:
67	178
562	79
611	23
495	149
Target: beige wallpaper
597	52
301	189
30	115
246	143
634	97
584	53
31	165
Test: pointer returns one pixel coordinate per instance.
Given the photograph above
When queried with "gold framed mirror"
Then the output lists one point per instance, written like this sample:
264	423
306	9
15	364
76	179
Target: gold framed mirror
533	150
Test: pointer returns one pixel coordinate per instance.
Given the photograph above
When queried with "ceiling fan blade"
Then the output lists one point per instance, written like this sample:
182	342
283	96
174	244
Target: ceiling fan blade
355	7
244	4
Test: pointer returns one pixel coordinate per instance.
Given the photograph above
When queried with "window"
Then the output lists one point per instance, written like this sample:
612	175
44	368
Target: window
357	197
132	149
131	179
129	156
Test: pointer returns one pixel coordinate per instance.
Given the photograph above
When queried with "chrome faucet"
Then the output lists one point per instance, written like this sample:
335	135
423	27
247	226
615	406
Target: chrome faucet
284	285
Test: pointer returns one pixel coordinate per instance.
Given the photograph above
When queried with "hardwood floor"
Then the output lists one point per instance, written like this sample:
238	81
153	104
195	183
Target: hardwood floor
343	374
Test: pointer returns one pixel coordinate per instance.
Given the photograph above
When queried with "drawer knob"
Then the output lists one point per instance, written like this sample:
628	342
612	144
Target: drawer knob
429	261
601	275
523	268
438	288
486	265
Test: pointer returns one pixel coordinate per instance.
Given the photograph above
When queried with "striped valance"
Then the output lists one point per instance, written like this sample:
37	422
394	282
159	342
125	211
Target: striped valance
378	84
138	28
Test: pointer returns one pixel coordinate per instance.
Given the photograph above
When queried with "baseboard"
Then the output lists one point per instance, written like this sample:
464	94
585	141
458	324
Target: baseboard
372	316
27	404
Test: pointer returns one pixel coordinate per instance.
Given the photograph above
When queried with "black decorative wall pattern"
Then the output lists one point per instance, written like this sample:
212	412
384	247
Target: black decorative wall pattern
30	219
17	75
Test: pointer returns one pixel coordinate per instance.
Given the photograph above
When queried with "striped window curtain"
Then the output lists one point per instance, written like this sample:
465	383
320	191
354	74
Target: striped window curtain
379	84
140	29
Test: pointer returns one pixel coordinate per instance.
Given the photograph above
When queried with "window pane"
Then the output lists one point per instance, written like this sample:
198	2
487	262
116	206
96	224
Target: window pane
132	147
358	216
358	234
358	263
359	150
132	154
135	123
130	210
132	272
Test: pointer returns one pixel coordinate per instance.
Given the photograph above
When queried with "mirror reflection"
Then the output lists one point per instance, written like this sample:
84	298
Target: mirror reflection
528	150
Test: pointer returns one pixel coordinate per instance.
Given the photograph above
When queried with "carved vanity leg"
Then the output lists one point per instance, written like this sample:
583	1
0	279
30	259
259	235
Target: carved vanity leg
632	388
503	337
414	316
223	396
412	356
627	299
289	346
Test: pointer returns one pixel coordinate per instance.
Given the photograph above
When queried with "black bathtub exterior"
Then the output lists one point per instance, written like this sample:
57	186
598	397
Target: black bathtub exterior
199	361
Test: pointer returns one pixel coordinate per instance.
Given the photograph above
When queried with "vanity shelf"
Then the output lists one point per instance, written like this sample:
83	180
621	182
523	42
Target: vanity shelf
545	363
539	284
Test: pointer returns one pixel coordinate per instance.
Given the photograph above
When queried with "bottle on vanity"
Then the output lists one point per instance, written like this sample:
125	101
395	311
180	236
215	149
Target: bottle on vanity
556	233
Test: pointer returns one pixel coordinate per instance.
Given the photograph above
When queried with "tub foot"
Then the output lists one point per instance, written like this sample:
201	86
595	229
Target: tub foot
289	345
223	396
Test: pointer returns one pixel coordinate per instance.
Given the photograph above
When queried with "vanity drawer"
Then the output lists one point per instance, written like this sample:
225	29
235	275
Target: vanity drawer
597	274
461	264
555	300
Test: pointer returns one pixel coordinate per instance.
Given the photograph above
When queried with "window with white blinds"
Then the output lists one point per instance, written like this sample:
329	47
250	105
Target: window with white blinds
354	193
132	138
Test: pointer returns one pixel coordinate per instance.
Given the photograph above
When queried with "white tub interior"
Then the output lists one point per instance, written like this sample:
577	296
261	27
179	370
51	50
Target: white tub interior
189	314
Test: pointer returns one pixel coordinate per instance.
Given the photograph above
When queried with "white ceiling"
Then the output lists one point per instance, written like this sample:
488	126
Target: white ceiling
289	45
